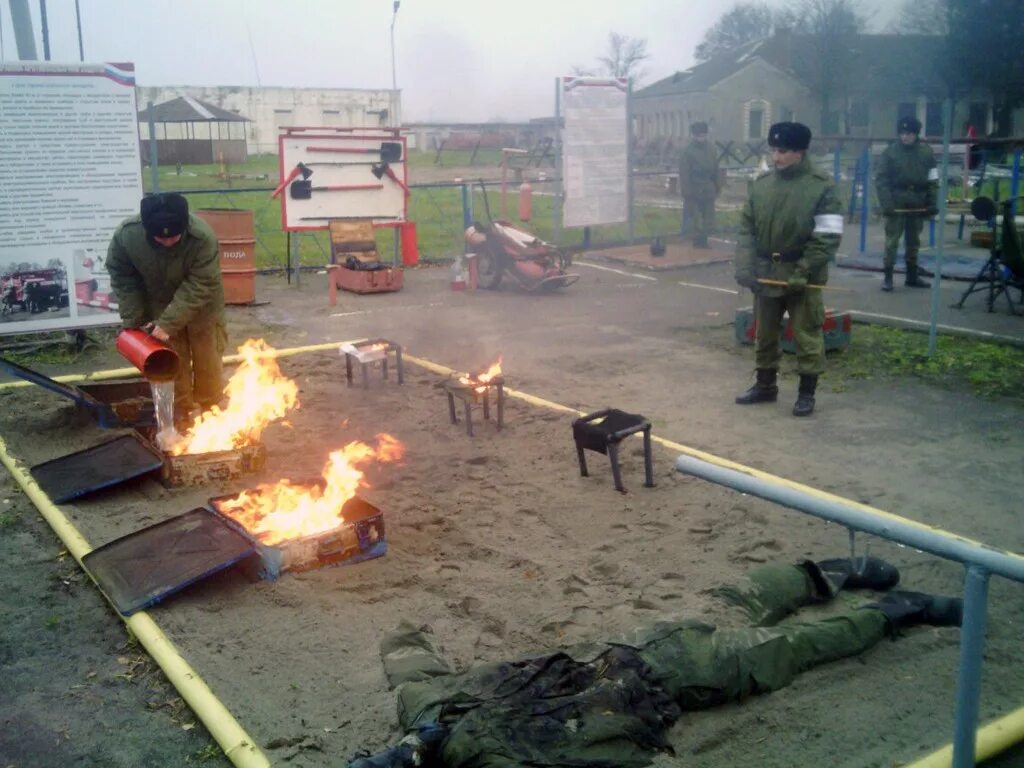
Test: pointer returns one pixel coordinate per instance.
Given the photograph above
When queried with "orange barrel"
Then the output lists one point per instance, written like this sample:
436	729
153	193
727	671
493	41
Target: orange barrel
235	230
157	361
410	253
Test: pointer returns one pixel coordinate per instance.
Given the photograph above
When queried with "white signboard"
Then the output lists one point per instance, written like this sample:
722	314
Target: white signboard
594	151
69	174
341	174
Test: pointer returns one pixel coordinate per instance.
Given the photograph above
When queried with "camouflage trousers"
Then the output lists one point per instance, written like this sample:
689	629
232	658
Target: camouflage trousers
907	227
807	313
700	219
200	379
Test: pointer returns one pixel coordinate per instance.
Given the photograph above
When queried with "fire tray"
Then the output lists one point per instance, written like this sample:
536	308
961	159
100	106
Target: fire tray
361	537
470	396
101	466
370	353
201	468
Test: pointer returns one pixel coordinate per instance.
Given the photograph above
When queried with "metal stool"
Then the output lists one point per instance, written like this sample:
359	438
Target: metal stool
602	431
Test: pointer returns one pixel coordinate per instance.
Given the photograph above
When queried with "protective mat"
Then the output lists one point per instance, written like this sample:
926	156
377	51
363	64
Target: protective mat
142	568
955	266
101	466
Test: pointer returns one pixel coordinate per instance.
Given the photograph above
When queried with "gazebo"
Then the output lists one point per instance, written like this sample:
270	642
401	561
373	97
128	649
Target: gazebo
190	131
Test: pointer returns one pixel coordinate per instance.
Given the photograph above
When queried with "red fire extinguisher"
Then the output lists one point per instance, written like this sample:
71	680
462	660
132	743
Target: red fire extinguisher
525	201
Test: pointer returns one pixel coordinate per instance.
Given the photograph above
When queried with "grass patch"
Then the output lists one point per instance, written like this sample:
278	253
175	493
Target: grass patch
989	370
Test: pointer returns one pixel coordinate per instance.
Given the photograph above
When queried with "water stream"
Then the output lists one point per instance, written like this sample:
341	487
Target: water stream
163	406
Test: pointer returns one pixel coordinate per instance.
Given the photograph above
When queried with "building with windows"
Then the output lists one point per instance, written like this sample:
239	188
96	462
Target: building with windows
871	83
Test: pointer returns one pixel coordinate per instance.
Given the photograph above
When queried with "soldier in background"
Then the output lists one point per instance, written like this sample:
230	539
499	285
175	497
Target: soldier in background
789	232
699	184
908	183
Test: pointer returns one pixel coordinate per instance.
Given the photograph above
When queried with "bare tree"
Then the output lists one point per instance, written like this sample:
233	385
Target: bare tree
831	26
741	24
922	17
623	58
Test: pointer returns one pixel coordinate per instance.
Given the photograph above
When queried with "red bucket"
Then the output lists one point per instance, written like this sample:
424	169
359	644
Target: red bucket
156	360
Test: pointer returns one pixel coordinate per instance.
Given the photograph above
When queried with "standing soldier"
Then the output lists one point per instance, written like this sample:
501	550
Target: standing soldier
699	184
907	183
789	231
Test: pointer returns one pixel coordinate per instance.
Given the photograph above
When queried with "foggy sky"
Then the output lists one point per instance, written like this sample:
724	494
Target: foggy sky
455	60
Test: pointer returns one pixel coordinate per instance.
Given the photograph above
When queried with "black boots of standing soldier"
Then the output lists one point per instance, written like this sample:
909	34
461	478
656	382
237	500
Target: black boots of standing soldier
764	390
804	405
914	279
887	280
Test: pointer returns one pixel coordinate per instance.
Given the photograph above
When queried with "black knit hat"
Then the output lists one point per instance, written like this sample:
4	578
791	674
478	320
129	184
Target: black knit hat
698	129
909	125
791	136
164	215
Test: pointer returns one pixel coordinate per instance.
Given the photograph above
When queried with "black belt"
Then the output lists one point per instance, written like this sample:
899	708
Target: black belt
784	257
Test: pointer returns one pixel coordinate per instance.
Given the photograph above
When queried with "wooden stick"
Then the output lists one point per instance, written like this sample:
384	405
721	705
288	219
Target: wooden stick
783	283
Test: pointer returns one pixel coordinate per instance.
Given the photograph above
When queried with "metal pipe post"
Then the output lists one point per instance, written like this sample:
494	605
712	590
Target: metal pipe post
154	170
45	29
836	165
1015	182
556	208
24	35
78	24
947	119
865	194
968	682
630	192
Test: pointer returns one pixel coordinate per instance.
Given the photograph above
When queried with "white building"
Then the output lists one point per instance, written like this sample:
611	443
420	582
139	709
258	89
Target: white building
271	108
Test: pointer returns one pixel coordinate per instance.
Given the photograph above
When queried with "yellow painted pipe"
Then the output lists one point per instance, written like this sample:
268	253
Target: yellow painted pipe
239	747
996	737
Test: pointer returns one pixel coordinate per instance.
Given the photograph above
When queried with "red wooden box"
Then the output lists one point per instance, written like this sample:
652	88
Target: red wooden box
368	280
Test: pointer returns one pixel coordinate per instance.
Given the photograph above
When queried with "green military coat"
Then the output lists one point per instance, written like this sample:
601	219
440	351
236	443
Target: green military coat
698	171
907	177
173	287
793	213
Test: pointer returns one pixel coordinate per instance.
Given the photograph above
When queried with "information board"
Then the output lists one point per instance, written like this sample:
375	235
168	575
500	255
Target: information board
69	174
595	151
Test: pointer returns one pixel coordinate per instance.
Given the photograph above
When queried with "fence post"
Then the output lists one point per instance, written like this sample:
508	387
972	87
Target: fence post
467	214
968	681
865	194
154	168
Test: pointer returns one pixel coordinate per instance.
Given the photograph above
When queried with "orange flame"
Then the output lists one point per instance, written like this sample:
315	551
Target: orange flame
276	512
483	378
258	393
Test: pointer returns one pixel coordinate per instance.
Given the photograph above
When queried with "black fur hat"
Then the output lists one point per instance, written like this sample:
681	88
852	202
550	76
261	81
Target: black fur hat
698	129
909	125
164	215
791	136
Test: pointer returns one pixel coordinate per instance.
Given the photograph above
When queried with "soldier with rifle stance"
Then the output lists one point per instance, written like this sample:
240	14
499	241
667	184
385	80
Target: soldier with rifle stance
907	182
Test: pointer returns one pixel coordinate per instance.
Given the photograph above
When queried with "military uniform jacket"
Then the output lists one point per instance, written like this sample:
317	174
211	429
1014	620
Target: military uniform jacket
791	224
173	287
907	177
698	171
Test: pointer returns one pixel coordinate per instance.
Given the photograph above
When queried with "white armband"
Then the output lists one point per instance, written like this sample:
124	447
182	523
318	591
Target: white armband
828	224
933	174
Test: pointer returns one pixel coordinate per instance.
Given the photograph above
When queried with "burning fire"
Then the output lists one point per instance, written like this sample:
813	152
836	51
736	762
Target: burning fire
258	393
481	379
276	512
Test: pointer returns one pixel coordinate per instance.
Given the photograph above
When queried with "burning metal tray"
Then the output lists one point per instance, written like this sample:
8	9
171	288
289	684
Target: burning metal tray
101	466
144	567
361	537
201	468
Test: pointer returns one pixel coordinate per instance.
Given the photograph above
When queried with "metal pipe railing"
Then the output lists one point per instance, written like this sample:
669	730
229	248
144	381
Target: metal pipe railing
979	559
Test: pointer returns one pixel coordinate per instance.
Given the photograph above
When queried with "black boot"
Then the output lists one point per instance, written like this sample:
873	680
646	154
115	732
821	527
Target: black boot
804	405
887	280
913	279
863	573
764	390
418	748
905	609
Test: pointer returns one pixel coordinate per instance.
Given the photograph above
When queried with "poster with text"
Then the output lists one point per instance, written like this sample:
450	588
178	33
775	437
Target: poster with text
69	174
595	139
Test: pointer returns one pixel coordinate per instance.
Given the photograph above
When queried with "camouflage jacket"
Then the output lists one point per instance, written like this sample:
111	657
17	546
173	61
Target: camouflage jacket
698	171
791	224
173	287
907	177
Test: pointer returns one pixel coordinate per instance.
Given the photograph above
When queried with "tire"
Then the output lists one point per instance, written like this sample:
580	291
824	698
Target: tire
489	270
